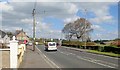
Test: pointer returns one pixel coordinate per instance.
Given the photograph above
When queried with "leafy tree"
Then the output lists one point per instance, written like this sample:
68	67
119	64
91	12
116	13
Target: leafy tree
79	29
10	34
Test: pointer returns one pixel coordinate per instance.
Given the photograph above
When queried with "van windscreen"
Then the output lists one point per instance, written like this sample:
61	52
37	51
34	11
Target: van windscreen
51	44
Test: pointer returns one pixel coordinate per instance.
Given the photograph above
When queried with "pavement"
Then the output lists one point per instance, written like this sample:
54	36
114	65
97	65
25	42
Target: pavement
34	59
4	59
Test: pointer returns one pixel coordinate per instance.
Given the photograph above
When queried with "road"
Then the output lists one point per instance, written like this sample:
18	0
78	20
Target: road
66	58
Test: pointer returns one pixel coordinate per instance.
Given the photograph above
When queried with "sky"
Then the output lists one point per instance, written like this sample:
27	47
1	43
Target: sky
53	15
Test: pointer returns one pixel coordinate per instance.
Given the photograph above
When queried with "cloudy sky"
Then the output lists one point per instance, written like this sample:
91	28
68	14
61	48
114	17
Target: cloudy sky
51	16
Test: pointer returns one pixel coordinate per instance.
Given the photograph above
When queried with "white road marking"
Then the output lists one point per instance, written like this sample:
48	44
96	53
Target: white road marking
107	63
94	54
96	61
102	61
72	54
93	61
104	56
66	53
47	59
63	52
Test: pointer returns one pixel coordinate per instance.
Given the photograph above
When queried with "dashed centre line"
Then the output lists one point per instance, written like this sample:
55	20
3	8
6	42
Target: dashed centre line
100	62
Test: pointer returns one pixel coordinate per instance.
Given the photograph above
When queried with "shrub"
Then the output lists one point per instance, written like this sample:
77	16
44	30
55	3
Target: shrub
75	44
101	48
112	49
91	46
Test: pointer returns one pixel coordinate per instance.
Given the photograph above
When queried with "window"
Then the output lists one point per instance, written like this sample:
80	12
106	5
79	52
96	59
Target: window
51	44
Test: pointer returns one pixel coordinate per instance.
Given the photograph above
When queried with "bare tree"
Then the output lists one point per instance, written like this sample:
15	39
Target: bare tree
79	29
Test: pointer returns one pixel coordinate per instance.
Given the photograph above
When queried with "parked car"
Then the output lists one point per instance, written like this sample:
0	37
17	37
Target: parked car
51	46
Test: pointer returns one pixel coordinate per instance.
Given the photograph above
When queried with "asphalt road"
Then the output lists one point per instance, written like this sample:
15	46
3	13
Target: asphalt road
66	58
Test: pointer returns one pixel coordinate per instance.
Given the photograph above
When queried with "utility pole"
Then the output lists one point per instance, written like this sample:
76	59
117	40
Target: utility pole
85	28
34	22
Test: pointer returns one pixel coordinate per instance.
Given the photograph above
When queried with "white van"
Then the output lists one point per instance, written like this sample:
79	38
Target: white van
51	46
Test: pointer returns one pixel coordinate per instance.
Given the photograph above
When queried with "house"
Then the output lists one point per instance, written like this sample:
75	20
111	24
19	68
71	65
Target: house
21	35
4	38
116	43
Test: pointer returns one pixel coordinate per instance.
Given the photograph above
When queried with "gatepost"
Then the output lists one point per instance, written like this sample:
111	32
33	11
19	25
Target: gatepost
13	53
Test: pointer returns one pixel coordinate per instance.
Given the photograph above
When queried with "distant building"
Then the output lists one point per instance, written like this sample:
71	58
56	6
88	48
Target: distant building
21	35
116	43
4	38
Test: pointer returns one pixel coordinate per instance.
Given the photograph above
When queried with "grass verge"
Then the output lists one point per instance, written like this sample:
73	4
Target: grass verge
104	53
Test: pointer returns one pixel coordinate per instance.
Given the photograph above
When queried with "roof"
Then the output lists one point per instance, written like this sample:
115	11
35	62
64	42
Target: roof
19	31
2	34
117	43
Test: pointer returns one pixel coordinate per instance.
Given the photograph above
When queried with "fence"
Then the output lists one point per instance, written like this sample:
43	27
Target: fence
16	53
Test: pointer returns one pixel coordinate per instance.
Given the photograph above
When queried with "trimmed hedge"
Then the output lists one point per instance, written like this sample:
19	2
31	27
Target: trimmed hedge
112	49
75	44
91	46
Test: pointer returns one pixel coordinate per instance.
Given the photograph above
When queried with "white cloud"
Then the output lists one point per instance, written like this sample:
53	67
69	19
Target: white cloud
105	36
65	0
20	13
72	8
16	14
101	19
26	20
45	30
0	18
99	9
67	20
107	17
54	34
7	28
41	26
54	9
96	27
6	7
113	33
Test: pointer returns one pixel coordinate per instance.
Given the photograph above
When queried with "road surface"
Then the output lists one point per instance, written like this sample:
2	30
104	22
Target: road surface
66	58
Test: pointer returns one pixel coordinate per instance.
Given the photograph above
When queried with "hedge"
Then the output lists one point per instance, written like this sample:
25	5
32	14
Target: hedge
91	46
112	49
